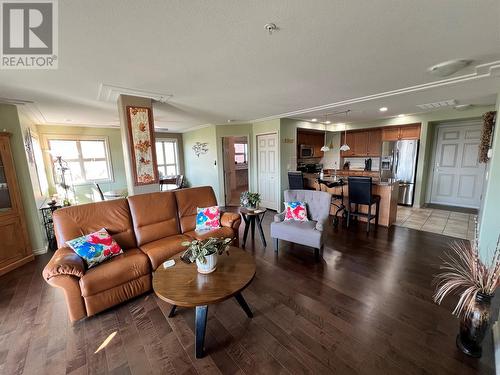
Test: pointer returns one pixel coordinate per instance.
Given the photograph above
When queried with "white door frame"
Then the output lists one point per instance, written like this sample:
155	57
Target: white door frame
278	169
439	125
249	163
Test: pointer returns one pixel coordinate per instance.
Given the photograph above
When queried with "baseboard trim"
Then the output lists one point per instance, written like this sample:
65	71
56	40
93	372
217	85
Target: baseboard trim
40	251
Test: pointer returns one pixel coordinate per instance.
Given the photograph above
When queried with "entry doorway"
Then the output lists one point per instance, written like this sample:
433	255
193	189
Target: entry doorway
235	157
457	178
267	170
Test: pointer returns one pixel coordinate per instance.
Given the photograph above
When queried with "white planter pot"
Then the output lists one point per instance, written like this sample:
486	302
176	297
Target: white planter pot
209	266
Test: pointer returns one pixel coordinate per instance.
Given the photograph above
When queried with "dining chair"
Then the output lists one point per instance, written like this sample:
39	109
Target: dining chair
99	190
360	193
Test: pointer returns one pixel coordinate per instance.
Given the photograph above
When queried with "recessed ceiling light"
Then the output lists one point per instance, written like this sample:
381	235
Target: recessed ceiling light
328	122
401	115
314	119
448	68
382	109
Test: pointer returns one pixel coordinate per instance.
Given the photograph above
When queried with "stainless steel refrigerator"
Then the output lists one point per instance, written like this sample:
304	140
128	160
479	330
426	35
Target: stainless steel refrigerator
399	161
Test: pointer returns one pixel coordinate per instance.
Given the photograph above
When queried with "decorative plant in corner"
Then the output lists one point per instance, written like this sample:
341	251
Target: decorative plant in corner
476	282
249	200
205	252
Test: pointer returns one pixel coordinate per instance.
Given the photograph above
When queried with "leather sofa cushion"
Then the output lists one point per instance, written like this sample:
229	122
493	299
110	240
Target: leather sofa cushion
116	271
121	293
154	216
188	200
219	232
160	250
114	216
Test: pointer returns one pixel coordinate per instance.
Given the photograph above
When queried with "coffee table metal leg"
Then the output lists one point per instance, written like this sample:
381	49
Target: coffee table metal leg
199	330
172	311
243	304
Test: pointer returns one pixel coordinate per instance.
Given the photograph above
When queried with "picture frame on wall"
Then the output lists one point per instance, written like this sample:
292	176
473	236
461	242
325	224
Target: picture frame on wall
142	145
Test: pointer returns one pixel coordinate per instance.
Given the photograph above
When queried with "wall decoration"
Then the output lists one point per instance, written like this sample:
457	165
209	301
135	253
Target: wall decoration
28	145
486	135
200	148
142	145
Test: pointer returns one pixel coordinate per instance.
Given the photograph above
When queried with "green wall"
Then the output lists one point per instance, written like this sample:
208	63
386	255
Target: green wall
85	193
489	217
10	122
202	170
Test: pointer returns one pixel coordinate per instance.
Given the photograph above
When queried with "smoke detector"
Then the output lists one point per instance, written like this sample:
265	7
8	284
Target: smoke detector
448	68
271	27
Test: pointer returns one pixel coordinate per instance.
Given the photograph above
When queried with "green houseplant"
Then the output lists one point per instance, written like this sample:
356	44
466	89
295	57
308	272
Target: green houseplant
475	282
205	252
249	200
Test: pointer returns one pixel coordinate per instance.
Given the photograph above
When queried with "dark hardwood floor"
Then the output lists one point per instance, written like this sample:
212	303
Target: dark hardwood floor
365	308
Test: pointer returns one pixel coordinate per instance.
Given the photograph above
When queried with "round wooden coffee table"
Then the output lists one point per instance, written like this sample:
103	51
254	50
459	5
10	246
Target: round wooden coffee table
182	285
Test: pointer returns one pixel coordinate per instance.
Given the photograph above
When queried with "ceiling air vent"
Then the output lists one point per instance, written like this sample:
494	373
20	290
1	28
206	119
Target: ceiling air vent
437	105
110	93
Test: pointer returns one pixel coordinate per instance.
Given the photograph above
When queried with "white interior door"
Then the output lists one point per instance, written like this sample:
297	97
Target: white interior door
267	170
458	177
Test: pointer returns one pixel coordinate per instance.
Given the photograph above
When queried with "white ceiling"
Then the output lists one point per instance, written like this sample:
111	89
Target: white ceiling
218	63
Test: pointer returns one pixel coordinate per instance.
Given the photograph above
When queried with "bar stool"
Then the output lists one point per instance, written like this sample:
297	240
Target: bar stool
360	192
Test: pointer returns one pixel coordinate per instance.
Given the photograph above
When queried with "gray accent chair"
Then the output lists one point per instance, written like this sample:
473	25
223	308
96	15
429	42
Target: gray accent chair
308	233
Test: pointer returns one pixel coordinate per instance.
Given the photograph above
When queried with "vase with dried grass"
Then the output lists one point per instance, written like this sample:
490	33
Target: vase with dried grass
464	273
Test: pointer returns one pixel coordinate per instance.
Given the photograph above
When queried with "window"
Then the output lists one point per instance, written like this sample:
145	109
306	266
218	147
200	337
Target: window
167	157
240	153
88	159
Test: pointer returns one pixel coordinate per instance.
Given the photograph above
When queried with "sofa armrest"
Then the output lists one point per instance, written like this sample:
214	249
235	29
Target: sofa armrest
321	222
230	220
64	262
279	217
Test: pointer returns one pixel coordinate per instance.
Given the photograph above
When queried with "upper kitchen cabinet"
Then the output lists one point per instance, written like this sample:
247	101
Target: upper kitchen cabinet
348	138
394	133
315	139
374	142
363	143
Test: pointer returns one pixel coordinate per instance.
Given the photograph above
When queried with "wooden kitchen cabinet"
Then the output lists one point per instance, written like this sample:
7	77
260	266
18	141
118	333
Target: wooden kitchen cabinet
349	139
360	143
15	249
410	132
374	142
390	134
394	133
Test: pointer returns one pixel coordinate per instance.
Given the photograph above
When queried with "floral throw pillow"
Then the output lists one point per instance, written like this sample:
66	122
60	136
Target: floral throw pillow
95	247
208	218
296	211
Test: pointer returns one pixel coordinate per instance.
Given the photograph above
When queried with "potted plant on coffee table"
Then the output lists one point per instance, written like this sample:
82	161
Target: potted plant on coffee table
205	252
475	281
249	200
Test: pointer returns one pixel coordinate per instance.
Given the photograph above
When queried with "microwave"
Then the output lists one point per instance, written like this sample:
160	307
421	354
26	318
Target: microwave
306	151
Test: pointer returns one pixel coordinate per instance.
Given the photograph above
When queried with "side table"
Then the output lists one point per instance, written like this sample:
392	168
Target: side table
250	216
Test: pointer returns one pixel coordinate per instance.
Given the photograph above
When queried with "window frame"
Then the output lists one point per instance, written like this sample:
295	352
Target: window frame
81	160
175	141
245	153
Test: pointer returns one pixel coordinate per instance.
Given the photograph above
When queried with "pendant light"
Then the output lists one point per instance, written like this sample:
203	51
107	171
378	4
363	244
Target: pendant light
325	148
345	146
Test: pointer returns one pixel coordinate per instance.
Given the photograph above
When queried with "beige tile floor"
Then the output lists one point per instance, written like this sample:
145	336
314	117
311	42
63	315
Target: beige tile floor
449	223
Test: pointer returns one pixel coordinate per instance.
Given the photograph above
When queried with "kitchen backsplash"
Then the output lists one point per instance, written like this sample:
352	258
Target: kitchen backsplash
359	163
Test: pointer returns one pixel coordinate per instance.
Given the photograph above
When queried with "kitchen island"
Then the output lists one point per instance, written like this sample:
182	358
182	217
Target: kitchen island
388	192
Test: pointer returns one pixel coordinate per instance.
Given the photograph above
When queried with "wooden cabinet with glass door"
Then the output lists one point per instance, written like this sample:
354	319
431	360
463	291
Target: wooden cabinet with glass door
15	249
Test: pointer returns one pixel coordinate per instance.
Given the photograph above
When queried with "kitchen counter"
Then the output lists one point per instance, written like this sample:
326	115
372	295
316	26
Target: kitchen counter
388	192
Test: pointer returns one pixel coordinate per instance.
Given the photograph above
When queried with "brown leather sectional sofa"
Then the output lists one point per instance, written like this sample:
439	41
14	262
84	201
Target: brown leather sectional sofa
148	227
